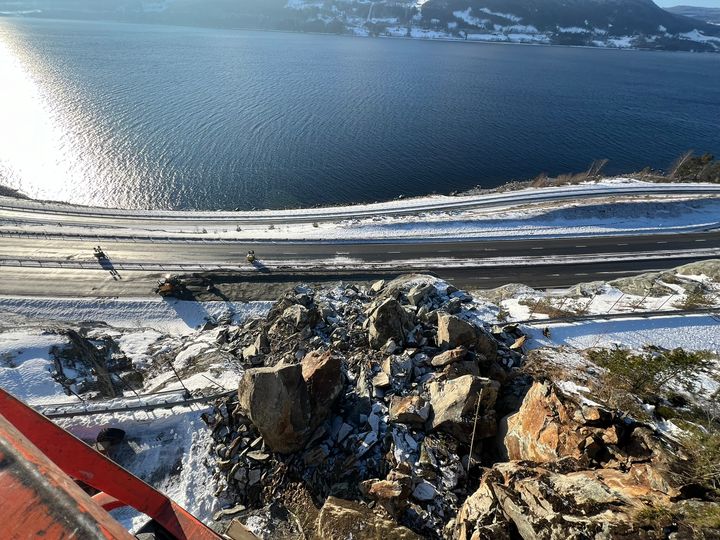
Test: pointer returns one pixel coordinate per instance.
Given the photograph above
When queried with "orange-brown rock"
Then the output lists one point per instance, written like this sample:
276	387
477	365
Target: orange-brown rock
340	520
556	502
543	429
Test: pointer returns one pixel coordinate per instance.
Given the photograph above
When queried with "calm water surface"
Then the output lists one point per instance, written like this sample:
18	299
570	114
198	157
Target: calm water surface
167	117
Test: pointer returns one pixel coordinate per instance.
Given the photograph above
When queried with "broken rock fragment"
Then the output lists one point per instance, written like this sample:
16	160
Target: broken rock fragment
341	519
454	331
412	410
388	320
449	357
455	402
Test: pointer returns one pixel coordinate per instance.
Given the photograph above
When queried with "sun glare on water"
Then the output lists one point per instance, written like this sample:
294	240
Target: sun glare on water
35	153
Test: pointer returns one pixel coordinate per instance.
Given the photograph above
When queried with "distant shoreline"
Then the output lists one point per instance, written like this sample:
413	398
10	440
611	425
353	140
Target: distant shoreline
347	35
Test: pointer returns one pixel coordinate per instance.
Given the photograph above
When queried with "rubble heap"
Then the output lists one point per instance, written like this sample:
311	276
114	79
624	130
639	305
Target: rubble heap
392	411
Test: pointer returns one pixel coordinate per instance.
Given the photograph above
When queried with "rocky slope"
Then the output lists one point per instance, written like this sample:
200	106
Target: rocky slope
394	412
705	14
599	23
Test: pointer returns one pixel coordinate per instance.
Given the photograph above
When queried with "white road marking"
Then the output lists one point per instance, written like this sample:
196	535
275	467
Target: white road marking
701	240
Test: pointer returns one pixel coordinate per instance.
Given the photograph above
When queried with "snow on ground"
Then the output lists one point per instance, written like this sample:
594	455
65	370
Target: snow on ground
601	298
690	332
166	448
164	315
26	366
519	215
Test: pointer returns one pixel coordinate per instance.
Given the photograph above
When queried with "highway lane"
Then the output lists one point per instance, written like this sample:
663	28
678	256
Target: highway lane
250	285
233	253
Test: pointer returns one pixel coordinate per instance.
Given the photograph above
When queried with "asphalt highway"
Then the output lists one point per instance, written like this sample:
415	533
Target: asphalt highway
57	260
58	267
155	253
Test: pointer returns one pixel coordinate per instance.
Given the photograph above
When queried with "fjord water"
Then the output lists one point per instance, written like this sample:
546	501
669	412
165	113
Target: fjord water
145	116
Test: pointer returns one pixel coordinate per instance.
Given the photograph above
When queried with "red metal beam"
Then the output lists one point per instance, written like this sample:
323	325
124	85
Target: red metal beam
83	463
41	501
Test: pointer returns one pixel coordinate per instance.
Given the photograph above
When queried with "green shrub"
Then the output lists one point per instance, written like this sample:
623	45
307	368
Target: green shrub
702	446
695	300
652	370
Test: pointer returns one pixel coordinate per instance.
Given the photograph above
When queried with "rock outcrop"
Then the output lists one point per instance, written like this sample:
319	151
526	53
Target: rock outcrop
556	502
384	404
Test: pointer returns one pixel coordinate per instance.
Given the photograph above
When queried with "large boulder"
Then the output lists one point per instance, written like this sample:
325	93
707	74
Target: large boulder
455	402
276	401
388	320
344	520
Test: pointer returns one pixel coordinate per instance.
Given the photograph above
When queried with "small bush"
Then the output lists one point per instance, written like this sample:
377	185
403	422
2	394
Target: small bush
706	518
546	307
695	300
650	372
702	445
691	168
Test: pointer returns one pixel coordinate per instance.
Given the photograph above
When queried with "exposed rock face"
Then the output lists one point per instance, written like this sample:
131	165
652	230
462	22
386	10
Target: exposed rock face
543	429
585	473
388	320
555	502
454	404
322	372
343	520
550	426
277	402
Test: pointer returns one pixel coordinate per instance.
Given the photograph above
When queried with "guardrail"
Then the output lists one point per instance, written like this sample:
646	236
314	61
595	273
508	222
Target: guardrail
131	408
713	312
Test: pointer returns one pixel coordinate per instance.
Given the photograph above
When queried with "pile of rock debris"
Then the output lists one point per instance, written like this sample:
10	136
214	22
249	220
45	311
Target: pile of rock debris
393	411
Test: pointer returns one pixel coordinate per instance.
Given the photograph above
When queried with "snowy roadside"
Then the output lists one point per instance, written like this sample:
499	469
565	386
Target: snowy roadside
607	217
